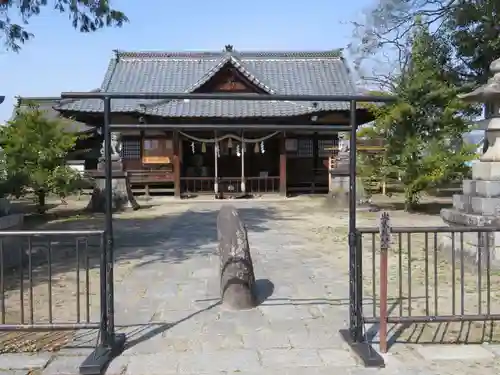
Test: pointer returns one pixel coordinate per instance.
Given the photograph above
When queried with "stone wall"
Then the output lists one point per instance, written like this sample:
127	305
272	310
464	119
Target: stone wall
12	253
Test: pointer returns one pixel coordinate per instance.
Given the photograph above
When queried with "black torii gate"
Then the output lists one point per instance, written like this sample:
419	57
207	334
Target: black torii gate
354	335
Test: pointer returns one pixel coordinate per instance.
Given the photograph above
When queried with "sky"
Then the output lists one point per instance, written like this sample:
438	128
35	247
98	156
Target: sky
61	59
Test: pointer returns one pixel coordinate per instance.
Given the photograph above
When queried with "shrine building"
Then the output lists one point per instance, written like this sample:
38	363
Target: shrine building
197	162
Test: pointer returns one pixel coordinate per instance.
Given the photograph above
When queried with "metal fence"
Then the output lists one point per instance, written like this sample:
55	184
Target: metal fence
426	276
56	281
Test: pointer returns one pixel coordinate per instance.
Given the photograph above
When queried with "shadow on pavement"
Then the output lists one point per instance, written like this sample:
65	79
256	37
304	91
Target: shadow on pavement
164	238
170	238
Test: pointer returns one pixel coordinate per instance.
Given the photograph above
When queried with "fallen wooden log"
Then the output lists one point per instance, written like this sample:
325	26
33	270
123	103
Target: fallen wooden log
237	277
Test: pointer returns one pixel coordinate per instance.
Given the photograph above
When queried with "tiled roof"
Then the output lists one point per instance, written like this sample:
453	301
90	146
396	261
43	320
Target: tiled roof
47	104
285	73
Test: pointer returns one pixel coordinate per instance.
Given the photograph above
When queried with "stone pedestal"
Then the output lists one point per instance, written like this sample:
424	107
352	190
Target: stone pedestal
478	206
122	197
339	186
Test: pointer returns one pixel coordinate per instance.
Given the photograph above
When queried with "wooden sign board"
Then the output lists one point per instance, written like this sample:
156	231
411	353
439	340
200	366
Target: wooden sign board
156	160
366	145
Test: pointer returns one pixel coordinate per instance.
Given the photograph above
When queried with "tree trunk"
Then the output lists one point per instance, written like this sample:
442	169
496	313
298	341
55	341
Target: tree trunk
40	198
237	277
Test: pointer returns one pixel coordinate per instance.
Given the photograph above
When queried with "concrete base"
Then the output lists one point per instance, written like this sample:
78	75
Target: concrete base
478	206
122	196
481	188
485	206
475	246
454	217
339	194
486	170
482	250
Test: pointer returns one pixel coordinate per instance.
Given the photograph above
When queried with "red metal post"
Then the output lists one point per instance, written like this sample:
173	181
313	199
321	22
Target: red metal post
385	236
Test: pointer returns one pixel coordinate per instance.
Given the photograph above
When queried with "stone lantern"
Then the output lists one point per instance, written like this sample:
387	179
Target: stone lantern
479	204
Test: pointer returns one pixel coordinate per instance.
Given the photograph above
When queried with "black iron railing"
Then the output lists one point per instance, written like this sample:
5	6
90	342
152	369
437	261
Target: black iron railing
58	281
33	277
427	275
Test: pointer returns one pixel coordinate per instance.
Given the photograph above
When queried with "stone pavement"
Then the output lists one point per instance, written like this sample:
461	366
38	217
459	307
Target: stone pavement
168	306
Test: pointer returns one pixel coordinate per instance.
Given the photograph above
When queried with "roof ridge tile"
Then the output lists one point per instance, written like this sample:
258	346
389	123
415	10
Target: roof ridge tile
336	54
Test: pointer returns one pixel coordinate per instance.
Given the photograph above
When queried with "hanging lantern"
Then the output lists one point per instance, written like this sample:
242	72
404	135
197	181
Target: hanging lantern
229	143
238	151
262	150
256	148
203	147
193	150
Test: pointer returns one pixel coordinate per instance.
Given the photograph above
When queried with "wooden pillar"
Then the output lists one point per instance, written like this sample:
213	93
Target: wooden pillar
216	163
242	155
177	165
141	135
282	165
315	160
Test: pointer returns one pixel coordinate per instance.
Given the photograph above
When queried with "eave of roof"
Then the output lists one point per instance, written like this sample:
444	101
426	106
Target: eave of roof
47	104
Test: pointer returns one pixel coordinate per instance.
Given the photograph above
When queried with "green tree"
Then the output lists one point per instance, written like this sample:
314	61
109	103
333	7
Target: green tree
472	29
85	15
424	128
469	28
35	149
374	166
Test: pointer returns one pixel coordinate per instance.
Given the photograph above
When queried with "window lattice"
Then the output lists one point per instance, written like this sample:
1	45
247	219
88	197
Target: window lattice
305	148
131	149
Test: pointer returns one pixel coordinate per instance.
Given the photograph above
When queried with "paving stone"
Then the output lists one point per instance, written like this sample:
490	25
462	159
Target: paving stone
217	362
494	348
315	340
64	365
287	327
454	352
279	358
265	339
220	327
399	355
221	342
337	357
152	364
332	370
284	312
24	361
185	328
327	324
151	345
118	365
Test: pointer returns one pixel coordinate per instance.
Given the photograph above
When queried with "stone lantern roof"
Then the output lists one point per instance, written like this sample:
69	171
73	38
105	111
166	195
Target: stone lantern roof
489	90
